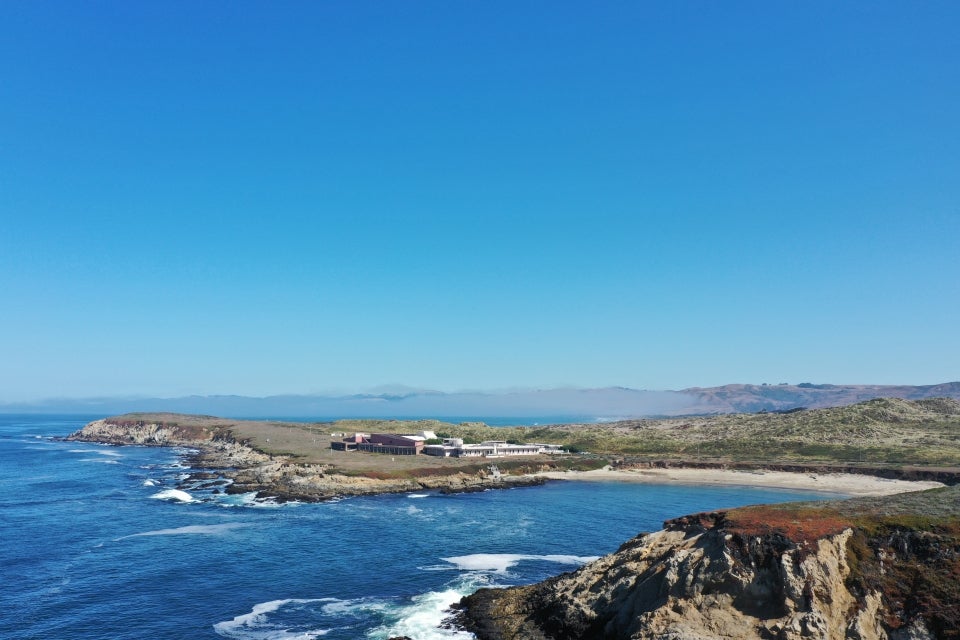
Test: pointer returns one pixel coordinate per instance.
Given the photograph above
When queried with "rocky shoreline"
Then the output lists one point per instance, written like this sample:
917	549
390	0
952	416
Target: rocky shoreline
866	569
278	478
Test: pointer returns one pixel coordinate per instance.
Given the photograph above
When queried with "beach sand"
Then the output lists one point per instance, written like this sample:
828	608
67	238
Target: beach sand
846	484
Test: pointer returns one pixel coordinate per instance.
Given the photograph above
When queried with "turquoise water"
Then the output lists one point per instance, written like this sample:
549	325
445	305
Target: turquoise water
98	542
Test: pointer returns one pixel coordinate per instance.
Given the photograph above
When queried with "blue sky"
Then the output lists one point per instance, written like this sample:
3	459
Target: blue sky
261	198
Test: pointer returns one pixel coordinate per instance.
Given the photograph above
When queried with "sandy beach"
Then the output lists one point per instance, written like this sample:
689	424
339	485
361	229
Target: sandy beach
846	484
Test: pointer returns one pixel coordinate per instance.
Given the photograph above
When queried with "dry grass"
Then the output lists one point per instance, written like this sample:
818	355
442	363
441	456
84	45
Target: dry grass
885	432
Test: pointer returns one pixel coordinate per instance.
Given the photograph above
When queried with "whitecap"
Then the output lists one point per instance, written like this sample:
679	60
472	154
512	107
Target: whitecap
175	495
257	624
422	617
149	483
418	495
501	562
194	529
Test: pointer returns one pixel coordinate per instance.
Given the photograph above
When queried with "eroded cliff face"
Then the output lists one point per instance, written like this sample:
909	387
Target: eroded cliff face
145	432
218	447
726	575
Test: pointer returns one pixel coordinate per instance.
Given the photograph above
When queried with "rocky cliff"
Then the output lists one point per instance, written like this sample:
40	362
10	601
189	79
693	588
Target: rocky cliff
861	569
212	436
272	476
155	430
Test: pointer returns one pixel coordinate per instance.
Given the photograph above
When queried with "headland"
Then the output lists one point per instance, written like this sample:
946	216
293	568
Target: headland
873	568
871	448
880	568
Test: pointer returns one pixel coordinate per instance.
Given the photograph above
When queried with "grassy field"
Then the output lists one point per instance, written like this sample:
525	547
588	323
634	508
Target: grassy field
884	433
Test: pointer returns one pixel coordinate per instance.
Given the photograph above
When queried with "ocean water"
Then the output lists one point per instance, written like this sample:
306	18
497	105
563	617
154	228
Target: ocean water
103	542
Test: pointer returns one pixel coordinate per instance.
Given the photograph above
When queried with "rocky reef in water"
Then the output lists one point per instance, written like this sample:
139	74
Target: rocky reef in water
865	569
272	476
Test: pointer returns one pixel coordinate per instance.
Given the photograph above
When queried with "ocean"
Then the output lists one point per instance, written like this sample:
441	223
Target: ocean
102	542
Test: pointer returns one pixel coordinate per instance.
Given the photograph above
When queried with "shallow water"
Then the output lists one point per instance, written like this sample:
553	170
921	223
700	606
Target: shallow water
102	542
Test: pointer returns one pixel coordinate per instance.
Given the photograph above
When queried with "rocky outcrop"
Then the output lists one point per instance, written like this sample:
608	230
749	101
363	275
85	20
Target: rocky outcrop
270	476
285	481
757	573
147	432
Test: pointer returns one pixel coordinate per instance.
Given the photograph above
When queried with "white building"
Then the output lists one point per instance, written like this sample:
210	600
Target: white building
454	448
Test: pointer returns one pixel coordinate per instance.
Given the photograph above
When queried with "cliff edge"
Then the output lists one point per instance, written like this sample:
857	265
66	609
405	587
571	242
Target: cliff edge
229	448
863	569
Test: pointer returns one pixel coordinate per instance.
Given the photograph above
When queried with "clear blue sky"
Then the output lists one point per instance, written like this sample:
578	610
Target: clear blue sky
258	198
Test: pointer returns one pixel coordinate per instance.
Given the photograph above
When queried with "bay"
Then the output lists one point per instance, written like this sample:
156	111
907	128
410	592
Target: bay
99	542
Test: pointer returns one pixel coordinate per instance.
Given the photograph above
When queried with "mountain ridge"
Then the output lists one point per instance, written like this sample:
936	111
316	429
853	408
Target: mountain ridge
561	403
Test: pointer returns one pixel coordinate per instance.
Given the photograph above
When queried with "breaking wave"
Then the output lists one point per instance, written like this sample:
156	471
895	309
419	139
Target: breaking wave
502	562
423	615
419	617
174	495
251	500
298	620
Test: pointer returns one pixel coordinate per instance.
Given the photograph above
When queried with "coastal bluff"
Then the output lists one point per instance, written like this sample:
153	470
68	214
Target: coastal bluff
865	569
291	461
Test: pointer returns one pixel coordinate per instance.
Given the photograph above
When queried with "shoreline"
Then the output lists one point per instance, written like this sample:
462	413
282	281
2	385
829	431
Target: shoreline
283	477
837	484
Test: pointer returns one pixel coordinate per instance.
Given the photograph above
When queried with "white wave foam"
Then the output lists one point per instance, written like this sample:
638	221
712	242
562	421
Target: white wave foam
194	529
418	495
149	483
256	625
353	608
100	460
501	562
421	619
251	500
437	567
99	452
175	495
186	451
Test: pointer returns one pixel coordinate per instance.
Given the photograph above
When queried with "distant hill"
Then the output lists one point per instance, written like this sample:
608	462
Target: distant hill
540	405
750	398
